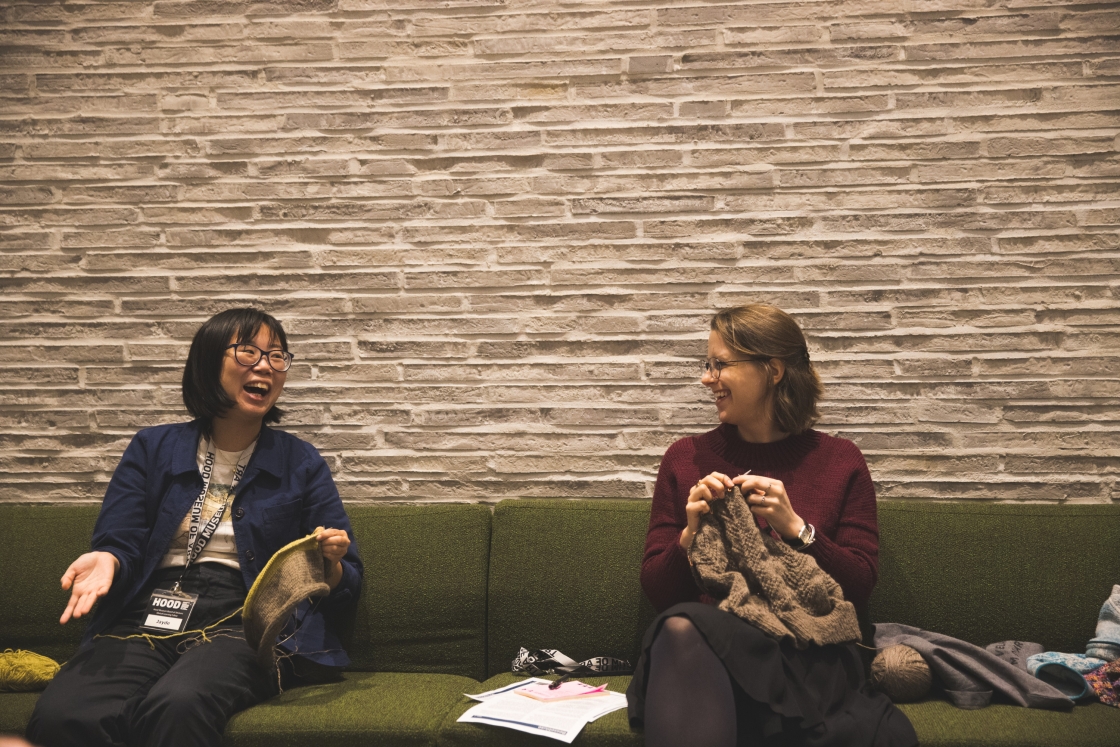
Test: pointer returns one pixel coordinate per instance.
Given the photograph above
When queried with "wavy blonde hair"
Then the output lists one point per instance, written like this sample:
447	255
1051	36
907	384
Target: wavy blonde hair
759	329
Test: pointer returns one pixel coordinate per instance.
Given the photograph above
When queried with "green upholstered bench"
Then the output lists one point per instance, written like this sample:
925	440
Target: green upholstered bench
563	575
37	544
452	591
418	639
994	572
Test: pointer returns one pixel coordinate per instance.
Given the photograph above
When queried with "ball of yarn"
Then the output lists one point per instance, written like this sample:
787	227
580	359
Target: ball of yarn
900	673
24	671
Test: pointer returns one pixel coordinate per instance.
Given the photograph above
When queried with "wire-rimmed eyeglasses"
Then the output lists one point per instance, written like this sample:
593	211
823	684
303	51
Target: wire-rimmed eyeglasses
249	355
714	366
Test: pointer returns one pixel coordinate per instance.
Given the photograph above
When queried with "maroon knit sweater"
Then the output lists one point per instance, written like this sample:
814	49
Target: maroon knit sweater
828	485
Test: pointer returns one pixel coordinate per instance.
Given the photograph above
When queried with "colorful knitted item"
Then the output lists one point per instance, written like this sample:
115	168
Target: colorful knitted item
1105	682
1064	671
1079	663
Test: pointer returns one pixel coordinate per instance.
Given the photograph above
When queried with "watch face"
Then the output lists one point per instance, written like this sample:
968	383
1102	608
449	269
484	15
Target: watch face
805	533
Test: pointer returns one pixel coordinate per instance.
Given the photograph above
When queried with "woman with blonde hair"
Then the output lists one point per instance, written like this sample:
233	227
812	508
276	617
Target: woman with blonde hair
706	676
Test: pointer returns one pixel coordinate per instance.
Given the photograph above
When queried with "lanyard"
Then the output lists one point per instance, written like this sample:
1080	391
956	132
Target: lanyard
200	535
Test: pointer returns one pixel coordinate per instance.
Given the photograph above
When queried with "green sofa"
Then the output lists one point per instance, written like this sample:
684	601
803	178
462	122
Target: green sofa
453	590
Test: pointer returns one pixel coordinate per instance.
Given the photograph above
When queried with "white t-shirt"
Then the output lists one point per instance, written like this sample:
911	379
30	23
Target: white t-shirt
222	547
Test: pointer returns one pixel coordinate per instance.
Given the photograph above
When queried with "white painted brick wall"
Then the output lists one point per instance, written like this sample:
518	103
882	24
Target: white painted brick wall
496	229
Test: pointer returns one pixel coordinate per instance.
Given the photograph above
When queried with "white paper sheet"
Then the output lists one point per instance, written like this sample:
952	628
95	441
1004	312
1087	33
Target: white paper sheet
507	689
562	720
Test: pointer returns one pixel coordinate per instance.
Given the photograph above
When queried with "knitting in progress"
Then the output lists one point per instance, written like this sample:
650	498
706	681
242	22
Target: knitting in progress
780	591
292	575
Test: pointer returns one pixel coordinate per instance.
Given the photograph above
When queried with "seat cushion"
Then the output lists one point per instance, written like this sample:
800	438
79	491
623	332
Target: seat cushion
32	594
423	602
565	575
940	724
612	730
995	572
15	711
367	708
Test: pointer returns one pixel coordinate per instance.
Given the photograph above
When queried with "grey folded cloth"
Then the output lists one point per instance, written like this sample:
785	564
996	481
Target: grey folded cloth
1015	653
970	675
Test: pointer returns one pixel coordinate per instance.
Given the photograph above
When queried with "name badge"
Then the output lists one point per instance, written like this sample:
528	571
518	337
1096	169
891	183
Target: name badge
169	610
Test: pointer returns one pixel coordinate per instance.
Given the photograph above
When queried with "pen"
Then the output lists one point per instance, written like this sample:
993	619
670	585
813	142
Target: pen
556	685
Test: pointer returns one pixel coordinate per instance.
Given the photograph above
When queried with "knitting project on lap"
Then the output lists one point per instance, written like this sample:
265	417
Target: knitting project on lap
293	574
780	591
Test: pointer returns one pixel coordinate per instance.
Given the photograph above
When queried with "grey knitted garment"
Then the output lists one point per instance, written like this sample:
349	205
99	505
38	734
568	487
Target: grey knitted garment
780	591
969	674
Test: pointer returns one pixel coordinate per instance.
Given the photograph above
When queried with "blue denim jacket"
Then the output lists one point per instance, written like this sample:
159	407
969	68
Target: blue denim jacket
286	492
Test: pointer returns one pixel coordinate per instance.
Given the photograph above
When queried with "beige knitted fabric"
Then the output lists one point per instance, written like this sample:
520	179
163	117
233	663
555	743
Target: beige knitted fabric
293	574
780	591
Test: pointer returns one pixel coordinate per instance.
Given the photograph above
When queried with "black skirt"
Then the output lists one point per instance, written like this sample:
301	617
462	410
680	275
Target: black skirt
816	697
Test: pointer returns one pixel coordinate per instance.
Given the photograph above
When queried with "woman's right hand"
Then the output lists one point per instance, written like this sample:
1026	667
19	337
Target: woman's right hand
710	488
88	578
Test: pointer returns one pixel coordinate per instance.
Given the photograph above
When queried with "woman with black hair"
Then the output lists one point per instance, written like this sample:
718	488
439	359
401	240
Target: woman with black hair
192	513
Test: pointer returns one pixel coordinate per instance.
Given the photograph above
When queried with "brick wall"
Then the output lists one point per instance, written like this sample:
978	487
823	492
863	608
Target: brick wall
495	230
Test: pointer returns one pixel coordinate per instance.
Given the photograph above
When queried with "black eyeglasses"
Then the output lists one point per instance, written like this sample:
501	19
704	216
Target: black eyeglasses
250	355
714	366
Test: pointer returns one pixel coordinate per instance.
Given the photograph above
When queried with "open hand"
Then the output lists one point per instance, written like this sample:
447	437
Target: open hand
88	578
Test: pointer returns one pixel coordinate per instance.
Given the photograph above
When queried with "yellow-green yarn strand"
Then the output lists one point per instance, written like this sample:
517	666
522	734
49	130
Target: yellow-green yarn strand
24	671
150	637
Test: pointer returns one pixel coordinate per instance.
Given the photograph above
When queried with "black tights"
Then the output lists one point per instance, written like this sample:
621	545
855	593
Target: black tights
689	699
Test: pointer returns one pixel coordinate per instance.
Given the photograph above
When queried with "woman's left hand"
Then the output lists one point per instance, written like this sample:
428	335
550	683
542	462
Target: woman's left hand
333	543
767	498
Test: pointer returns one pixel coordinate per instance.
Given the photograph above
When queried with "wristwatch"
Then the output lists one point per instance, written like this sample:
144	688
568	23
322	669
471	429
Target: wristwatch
804	538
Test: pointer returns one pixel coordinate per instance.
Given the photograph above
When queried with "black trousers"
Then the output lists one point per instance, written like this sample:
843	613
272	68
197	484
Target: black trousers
125	692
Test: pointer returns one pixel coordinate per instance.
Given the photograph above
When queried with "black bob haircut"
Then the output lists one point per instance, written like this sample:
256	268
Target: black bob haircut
202	376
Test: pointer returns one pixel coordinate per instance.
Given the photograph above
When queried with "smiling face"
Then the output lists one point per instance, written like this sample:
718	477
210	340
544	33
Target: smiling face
252	389
743	397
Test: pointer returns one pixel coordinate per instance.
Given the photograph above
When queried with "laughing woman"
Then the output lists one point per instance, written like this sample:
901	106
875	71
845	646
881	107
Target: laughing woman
707	677
193	512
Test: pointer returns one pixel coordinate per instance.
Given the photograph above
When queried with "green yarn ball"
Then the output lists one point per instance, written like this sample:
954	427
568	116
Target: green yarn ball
24	671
